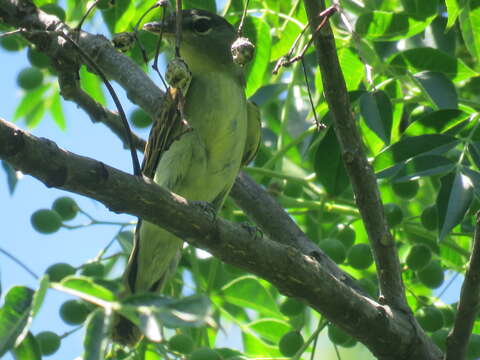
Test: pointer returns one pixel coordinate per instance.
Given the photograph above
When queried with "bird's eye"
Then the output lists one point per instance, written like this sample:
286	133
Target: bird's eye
202	26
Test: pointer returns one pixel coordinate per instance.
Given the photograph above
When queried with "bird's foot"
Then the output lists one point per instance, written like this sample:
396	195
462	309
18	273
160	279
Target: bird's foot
207	208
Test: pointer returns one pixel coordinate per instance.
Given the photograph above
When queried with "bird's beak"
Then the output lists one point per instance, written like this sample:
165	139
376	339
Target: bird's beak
165	27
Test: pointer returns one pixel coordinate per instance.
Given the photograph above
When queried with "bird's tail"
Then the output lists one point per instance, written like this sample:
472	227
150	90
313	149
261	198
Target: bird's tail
153	261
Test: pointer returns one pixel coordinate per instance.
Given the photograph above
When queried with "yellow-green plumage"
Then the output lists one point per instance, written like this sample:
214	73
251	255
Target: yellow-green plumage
203	163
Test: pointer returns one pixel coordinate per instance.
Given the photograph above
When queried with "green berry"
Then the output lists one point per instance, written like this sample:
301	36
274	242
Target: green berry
48	341
46	221
430	318
334	249
431	275
29	78
292	307
181	343
38	59
429	218
290	343
393	214
140	118
74	312
418	257
204	354
360	256
346	236
337	335
54	9
66	207
406	190
94	269
58	271
12	42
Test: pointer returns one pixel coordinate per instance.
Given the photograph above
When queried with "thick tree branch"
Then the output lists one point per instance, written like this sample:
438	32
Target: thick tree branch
384	330
457	340
362	177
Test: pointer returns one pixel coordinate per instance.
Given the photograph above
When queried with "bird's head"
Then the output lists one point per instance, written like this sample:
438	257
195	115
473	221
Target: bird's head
206	39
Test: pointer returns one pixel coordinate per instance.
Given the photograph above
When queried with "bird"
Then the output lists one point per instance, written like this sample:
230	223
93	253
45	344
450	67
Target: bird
200	164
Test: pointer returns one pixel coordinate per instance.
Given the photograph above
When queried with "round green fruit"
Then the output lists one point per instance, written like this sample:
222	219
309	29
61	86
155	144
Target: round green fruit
418	257
431	275
292	307
290	343
12	43
406	190
334	249
38	59
94	269
429	218
48	341
57	272
140	118
54	9
46	221
66	207
346	236
360	256
204	354
74	312
337	335
393	214
29	78
181	343
430	318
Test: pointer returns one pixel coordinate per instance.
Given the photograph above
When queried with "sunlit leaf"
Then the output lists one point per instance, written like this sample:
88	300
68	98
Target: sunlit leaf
453	10
15	317
453	201
28	349
436	122
470	25
40	295
87	287
270	329
96	338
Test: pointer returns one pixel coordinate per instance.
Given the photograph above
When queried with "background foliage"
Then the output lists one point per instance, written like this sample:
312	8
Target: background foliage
411	70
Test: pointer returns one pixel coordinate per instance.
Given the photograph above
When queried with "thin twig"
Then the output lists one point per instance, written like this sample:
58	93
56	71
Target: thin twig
20	263
178	28
135	31
242	20
317	123
457	340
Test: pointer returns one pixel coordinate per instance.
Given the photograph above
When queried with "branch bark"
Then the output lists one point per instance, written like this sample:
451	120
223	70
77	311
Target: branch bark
388	333
457	340
364	182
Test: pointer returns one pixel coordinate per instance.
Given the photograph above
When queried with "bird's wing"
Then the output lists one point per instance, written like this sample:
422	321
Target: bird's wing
167	128
254	130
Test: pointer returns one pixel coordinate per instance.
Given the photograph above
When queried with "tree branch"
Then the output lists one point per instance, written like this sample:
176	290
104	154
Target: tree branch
457	340
383	330
362	177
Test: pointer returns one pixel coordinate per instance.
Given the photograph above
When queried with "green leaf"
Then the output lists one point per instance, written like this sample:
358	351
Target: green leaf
116	17
258	32
247	291
438	89
420	9
92	84
352	68
470	25
96	341
85	287
453	201
15	317
28	349
255	347
328	164
209	5
30	101
56	111
376	109
150	312
421	166
389	26
436	122
453	10
429	59
40	295
12	177
409	147
270	329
